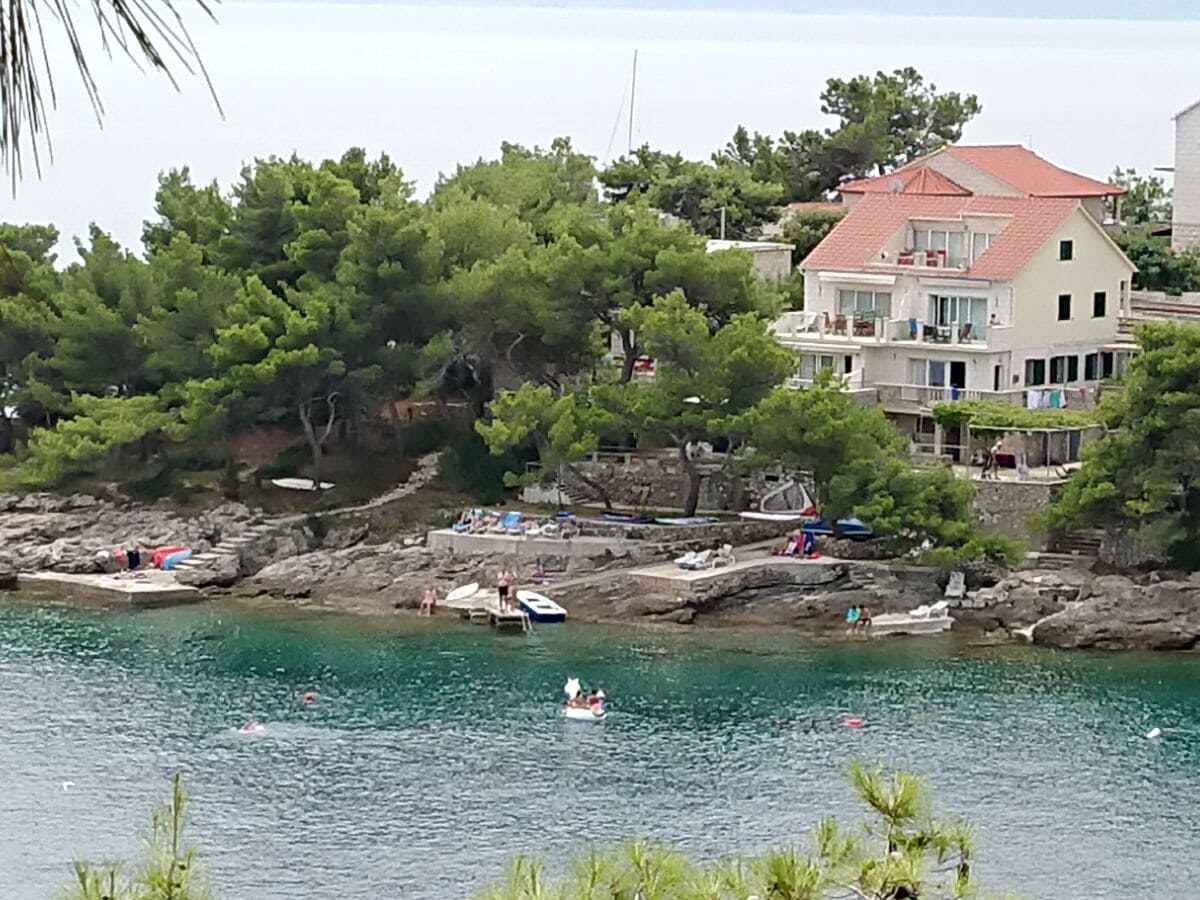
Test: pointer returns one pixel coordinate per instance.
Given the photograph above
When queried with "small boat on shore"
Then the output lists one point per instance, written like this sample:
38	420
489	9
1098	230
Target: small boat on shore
583	714
541	609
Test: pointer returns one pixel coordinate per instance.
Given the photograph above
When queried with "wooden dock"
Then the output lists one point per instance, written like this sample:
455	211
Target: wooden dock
483	608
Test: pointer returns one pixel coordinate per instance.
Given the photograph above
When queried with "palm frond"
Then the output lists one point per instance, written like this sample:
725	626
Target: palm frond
148	32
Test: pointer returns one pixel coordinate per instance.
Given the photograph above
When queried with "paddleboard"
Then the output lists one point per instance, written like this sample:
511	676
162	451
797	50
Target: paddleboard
462	593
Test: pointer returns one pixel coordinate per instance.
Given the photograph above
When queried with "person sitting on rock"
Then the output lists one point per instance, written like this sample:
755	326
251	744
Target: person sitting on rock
428	602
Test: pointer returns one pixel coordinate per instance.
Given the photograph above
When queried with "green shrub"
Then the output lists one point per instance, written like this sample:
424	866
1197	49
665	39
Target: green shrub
192	457
470	467
426	437
287	462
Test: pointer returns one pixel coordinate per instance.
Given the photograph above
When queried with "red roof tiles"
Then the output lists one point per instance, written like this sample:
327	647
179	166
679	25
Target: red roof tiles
1021	169
855	243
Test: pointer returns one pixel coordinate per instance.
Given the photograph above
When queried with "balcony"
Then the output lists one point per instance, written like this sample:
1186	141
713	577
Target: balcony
921	398
806	327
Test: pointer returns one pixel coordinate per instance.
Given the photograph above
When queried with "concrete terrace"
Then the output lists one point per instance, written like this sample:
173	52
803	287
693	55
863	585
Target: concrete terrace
155	589
667	577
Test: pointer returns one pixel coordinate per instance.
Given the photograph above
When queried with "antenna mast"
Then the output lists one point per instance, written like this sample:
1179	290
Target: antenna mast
632	98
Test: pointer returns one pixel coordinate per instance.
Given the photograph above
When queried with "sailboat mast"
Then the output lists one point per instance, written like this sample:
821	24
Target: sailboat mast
632	98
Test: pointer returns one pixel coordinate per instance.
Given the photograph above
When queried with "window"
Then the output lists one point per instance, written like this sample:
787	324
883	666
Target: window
1099	305
959	311
1091	367
811	364
918	369
950	240
1064	307
937	373
1058	369
864	304
1066	250
979	244
1106	365
1035	371
1072	368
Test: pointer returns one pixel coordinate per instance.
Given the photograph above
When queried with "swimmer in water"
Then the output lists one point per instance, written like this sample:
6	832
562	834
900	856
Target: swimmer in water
251	725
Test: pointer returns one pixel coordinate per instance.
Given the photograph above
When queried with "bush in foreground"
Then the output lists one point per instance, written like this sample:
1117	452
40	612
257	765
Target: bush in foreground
902	852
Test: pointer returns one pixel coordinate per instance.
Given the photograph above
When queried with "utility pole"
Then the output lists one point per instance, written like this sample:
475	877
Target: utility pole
722	223
632	99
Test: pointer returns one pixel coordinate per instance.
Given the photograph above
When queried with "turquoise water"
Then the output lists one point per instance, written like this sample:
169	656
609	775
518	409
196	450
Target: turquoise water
433	752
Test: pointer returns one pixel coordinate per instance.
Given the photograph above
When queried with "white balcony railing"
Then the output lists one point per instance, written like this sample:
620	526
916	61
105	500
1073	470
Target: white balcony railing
800	327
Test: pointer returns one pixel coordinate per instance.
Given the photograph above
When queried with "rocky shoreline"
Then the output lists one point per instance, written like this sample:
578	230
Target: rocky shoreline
284	561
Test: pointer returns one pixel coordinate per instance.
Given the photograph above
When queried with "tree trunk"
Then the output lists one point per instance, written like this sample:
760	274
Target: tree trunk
398	428
316	442
598	487
692	497
629	346
6	433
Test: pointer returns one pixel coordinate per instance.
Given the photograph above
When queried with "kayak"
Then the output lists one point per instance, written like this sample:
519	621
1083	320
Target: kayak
583	715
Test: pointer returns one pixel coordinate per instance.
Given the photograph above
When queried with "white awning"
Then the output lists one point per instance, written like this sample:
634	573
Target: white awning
857	278
970	284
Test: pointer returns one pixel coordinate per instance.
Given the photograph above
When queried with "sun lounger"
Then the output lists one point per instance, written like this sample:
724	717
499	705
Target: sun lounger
956	587
724	556
921	612
702	560
687	560
939	609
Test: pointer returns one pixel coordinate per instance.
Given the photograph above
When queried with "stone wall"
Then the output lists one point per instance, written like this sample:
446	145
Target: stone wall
1004	507
654	482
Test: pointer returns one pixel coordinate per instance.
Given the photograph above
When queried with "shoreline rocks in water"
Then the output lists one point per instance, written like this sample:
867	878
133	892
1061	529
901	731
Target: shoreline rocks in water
1069	608
1114	612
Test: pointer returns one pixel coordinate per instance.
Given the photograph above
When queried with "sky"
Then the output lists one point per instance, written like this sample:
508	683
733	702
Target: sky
434	86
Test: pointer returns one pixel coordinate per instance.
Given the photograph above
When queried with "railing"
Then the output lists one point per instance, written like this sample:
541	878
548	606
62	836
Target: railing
853	381
868	329
914	396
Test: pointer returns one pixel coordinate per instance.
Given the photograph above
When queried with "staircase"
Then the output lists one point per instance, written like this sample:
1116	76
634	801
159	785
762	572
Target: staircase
226	548
1079	543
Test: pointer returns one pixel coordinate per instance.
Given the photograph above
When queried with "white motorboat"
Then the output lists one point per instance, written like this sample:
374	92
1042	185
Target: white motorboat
584	714
933	619
541	609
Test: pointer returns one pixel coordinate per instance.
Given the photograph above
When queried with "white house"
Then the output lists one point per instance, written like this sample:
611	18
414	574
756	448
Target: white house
1185	210
772	259
918	298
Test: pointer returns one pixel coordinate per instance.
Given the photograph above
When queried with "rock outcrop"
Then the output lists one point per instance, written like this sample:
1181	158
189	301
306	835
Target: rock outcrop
1118	613
44	531
381	577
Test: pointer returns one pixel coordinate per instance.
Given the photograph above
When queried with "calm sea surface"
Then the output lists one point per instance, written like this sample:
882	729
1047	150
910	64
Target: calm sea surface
434	751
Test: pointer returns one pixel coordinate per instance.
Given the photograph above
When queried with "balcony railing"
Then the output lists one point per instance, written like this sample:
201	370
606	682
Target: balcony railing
871	329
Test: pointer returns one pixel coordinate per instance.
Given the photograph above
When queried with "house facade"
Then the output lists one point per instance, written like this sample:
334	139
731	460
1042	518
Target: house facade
772	259
1185	208
934	290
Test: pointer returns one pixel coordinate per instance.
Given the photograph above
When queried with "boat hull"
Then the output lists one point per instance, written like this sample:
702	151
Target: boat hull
582	715
541	609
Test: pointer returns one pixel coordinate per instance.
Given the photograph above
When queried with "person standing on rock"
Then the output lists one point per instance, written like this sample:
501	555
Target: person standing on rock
503	582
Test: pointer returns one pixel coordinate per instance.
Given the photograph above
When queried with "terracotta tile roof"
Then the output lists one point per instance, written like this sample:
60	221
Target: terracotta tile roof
855	242
829	206
913	178
1012	164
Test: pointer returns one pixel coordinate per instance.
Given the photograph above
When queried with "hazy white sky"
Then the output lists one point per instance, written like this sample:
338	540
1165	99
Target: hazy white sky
435	86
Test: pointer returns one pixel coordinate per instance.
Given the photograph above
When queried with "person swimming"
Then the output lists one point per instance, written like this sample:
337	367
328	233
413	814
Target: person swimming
250	725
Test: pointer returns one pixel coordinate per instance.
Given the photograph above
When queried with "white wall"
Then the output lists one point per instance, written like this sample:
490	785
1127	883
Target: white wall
1185	231
1097	265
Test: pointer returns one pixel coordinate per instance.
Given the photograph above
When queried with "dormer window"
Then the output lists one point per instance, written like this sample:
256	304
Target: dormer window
951	243
980	242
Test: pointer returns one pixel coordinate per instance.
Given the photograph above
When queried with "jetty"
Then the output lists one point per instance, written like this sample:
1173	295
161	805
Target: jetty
483	608
148	589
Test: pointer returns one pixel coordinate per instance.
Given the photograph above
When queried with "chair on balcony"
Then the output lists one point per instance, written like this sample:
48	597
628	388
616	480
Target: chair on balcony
839	324
964	332
828	323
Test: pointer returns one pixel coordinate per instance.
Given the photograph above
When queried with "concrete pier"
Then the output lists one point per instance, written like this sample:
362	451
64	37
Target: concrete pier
155	589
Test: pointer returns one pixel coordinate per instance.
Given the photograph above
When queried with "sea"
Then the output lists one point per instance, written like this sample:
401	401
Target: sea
434	751
1089	84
